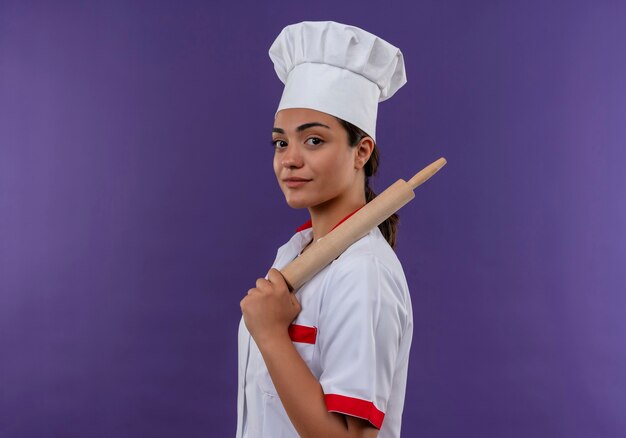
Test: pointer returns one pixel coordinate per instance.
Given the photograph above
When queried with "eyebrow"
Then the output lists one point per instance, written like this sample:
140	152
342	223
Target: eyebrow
301	127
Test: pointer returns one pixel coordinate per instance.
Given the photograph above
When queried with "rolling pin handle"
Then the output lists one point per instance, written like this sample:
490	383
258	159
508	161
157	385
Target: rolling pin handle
424	174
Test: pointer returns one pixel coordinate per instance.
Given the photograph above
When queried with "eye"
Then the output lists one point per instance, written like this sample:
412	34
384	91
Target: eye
278	146
318	141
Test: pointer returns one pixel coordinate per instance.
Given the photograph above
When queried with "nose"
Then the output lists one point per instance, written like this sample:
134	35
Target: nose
291	157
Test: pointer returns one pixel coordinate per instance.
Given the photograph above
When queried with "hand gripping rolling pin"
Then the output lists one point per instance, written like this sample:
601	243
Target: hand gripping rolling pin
327	249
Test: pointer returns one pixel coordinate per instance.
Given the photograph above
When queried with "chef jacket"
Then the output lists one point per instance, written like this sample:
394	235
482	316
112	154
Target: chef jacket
354	332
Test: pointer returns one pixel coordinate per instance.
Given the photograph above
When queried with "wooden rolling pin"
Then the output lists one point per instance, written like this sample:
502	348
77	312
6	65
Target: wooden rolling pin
328	248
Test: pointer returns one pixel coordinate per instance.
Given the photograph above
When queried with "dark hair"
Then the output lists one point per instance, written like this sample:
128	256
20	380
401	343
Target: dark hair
388	227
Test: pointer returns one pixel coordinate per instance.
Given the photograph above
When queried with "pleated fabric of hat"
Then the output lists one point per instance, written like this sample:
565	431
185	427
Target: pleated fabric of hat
338	69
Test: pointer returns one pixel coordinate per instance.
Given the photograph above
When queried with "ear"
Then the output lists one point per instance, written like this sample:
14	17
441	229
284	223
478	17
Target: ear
363	151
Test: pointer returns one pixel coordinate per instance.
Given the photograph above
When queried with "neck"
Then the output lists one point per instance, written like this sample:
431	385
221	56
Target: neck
324	217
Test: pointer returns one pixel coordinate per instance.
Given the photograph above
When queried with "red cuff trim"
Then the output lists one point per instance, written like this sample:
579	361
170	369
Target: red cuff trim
302	333
356	407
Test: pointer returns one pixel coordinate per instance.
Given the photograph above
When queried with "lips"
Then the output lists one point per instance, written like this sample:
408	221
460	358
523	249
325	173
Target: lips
294	181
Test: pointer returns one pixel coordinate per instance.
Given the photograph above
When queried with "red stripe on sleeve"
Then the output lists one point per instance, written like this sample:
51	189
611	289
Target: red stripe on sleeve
302	333
356	407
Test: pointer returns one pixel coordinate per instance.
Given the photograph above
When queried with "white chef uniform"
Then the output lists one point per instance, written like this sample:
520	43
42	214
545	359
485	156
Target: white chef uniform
354	332
356	324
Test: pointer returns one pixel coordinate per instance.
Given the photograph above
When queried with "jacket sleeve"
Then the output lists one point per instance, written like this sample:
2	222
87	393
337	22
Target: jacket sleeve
362	321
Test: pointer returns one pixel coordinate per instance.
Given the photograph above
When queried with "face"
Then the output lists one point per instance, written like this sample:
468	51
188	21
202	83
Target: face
312	159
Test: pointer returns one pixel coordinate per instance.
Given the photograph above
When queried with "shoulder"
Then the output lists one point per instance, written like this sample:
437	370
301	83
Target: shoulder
371	251
367	283
371	264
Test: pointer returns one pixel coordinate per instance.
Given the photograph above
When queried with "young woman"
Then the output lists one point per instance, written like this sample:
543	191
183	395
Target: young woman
330	359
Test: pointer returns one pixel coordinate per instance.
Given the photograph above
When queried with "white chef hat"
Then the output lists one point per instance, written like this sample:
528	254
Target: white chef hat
338	69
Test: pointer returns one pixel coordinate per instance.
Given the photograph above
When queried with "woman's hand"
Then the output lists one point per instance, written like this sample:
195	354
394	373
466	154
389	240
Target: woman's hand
269	308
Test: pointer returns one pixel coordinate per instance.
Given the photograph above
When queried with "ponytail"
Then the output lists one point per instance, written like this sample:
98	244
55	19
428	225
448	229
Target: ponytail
389	226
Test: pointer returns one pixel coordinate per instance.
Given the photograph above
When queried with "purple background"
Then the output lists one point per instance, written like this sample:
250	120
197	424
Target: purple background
138	204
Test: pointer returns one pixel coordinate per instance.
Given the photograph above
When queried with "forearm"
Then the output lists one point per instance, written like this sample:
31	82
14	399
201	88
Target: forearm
300	392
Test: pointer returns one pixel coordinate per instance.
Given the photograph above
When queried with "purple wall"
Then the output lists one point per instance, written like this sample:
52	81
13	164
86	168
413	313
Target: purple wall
138	205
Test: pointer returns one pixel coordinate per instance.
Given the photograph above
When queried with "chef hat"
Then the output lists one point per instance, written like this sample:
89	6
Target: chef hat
338	69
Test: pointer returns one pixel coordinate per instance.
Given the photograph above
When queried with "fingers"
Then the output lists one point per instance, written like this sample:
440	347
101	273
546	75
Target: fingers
275	280
262	282
295	303
276	277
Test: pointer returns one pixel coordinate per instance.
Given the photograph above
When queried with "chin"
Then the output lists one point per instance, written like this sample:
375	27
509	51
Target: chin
297	203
